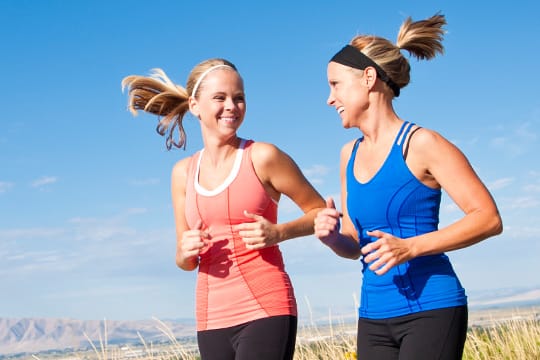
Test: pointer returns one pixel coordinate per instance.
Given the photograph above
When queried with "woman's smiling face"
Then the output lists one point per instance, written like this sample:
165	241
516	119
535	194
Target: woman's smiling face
347	95
221	104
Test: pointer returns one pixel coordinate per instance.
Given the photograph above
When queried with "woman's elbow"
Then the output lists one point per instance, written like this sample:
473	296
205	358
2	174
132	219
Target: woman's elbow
186	265
497	227
494	225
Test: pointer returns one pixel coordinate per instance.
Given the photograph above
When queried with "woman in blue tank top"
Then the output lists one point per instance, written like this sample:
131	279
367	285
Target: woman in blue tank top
412	303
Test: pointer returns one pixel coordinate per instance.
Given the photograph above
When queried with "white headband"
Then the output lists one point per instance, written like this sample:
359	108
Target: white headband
204	74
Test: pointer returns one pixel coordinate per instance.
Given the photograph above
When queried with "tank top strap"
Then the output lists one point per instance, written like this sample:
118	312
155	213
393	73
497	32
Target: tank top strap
246	145
355	146
192	168
353	153
403	132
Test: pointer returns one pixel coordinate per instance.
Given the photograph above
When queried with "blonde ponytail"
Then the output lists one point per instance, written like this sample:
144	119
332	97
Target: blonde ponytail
422	39
158	95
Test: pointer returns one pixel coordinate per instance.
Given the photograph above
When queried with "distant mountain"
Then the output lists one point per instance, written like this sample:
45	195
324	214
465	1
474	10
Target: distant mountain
504	298
38	335
35	335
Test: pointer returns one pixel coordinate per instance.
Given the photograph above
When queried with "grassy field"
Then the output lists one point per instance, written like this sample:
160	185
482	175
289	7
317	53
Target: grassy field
493	335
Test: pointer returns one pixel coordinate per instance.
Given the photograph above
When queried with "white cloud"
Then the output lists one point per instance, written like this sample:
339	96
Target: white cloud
136	211
43	181
524	132
31	233
104	291
316	173
5	186
534	185
520	141
84	243
523	202
531	295
523	232
316	170
499	141
103	232
81	220
532	188
500	183
121	217
21	262
466	142
144	182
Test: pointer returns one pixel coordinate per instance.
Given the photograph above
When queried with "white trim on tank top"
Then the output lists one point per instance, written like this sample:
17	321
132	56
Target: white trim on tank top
232	175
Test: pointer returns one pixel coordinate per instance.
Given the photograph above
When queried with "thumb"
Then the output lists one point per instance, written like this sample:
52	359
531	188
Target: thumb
199	226
252	216
330	203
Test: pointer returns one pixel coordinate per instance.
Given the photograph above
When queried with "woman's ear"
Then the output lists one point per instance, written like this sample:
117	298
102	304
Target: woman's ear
193	106
370	75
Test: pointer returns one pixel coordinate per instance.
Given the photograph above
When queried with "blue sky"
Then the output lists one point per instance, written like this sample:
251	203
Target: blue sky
86	225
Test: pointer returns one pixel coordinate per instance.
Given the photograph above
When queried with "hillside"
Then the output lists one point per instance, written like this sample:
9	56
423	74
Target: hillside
35	335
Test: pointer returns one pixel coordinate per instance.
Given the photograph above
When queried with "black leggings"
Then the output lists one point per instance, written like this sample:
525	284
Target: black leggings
427	335
270	338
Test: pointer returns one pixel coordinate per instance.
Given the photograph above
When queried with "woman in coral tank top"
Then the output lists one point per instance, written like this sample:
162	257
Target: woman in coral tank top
225	199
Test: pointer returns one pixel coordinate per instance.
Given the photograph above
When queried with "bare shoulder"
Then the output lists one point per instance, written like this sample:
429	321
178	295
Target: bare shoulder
431	151
271	163
181	166
425	138
179	172
426	141
265	154
265	150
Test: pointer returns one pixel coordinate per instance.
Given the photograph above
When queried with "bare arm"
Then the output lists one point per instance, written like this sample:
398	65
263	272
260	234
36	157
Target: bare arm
341	238
279	174
189	242
437	162
451	169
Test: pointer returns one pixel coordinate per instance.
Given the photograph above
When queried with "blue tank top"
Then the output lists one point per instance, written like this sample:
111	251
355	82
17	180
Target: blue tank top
396	202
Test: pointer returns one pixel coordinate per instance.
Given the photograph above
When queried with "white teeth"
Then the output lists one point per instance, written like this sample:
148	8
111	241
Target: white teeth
340	109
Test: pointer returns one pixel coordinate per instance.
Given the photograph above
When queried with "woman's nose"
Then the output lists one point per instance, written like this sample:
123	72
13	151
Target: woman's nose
330	100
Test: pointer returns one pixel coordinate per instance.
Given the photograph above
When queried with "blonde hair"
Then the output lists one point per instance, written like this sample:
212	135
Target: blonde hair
422	39
157	94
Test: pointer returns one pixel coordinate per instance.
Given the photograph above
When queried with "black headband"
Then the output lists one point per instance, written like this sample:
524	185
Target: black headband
351	56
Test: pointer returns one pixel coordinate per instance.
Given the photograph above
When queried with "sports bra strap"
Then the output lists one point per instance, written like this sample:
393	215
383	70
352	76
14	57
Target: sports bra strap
402	134
408	141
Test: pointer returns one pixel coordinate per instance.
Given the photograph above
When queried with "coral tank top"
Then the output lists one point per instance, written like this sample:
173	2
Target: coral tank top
235	285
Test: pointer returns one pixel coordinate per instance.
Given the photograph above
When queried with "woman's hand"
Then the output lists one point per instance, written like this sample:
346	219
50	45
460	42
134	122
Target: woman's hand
258	234
387	251
193	242
327	223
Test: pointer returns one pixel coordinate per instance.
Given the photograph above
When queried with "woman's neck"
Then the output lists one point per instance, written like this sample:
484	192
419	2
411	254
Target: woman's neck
218	152
379	121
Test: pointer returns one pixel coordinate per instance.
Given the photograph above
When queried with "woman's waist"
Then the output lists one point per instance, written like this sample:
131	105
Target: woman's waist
420	269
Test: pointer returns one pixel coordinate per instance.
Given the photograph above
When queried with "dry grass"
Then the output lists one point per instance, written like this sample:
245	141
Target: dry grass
513	337
517	338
